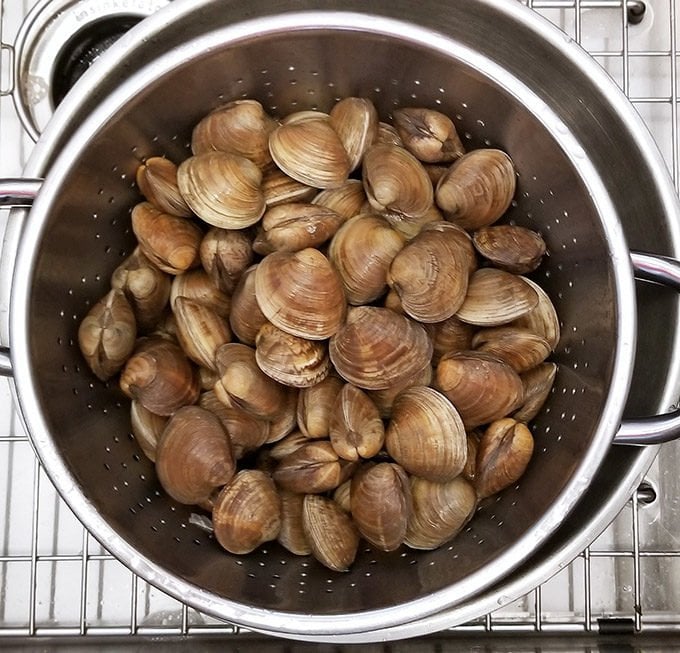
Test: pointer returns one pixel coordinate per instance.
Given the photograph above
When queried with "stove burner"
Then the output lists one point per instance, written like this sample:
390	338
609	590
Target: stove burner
57	42
80	52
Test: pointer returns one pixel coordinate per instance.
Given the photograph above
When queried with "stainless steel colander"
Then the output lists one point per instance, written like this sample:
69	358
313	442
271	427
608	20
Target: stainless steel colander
508	79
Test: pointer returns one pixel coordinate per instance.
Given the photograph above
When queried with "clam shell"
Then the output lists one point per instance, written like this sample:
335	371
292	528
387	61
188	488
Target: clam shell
286	421
279	188
245	317
396	182
330	531
107	334
425	434
310	151
355	120
198	286
194	455
291	360
157	181
315	405
247	512
287	445
519	348
225	255
380	503
147	428
430	274
362	251
542	319
510	247
170	242
439	511
477	189
300	293
295	226
222	189
146	287
538	383
377	348
292	535
450	335
496	297
240	127
504	452
355	428
347	200
429	135
388	135
160	377
483	388
384	399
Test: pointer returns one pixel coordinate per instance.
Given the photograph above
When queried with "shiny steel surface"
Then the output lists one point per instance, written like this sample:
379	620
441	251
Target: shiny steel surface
527	202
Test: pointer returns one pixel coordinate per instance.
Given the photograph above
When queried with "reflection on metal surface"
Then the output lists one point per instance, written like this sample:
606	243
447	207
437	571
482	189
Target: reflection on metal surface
56	580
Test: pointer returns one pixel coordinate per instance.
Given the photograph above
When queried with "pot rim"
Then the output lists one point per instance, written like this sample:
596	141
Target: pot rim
288	624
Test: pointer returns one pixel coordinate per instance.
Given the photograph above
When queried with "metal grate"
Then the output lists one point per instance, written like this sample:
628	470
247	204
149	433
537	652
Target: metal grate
56	581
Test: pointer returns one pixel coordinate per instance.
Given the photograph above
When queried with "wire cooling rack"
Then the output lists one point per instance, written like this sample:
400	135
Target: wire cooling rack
59	585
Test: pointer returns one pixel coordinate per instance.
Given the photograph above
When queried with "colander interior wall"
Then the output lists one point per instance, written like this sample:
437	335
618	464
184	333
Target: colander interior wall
88	235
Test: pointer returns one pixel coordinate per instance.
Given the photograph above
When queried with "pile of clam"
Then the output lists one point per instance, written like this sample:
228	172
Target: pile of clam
324	335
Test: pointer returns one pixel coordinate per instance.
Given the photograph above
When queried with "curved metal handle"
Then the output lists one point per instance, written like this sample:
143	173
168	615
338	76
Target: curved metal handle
657	428
13	192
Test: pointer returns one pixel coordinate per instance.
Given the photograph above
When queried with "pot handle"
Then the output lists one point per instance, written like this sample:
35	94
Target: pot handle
13	193
657	428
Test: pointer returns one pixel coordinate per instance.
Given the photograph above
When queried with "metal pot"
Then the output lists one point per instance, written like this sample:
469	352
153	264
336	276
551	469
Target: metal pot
527	90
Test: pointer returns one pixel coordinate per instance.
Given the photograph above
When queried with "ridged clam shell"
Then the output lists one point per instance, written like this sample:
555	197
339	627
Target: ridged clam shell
429	135
519	348
347	200
147	428
355	120
225	255
315	405
425	434
292	535
245	317
377	348
538	383
300	293
542	319
510	247
199	287
157	181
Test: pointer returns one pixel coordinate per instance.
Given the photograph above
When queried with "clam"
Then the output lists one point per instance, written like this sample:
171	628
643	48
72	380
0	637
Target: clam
477	189
246	432
450	335
225	255
146	287
410	226
279	188
310	151
330	531
469	472
300	293
538	383
362	251
240	127
388	135
355	428
245	317
168	241
287	445
430	274
482	387
200	331
496	297
242	383
542	319
160	376
384	399
222	189
377	348
425	434
519	348
295	226
157	181
429	135
510	247
342	495
504	452
291	360
292	535
355	120
315	405
207	378
147	428
286	421
380	502
194	455
395	181
247	512
347	200
439	511
199	287
107	334
313	468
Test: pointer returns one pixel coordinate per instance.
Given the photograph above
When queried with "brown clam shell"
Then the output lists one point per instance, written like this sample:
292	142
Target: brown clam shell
245	317
377	348
225	255
429	135
355	120
346	200
538	383
194	455
147	428
157	181
315	405
510	247
519	348
292	535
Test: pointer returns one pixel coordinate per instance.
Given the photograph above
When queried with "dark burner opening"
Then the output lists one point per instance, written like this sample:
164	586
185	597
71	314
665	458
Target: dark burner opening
83	48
